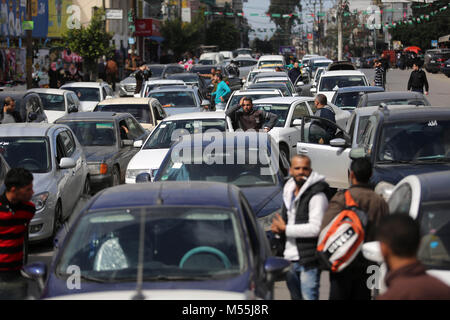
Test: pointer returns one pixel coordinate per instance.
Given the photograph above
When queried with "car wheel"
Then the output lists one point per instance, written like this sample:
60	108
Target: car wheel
284	160
87	187
58	219
116	177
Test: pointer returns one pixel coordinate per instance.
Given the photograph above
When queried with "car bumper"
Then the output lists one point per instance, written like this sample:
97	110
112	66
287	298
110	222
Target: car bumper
41	226
100	181
433	68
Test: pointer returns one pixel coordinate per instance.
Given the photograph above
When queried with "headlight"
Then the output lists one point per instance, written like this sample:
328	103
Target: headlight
133	173
384	189
266	221
98	168
39	200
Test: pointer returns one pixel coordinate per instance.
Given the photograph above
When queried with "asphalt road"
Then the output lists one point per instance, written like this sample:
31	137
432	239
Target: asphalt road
396	81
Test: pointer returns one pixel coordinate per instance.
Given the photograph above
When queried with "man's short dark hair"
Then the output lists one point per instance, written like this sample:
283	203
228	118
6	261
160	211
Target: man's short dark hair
247	99
140	63
220	76
322	99
18	177
401	233
362	168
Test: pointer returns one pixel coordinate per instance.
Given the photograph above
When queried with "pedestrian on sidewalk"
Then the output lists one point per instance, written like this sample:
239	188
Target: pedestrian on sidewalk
16	211
221	92
385	65
379	74
418	79
407	279
350	283
304	203
142	75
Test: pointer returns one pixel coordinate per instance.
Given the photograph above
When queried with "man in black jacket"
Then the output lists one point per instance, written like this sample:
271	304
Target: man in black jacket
294	73
418	79
250	119
304	203
142	75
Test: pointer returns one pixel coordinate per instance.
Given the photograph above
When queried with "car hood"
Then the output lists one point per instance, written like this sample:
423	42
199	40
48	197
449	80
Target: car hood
173	111
99	154
53	115
329	94
42	182
88	105
147	159
128	80
393	173
264	200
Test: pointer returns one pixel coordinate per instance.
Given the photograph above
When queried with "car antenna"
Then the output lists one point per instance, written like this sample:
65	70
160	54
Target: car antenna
140	268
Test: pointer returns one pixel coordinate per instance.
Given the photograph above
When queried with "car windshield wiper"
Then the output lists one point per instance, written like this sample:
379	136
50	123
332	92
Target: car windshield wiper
394	161
177	278
431	160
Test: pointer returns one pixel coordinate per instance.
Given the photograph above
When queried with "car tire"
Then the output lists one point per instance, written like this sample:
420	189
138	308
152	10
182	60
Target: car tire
87	187
115	176
284	152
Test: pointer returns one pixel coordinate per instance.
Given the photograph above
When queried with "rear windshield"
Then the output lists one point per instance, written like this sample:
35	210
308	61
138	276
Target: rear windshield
140	111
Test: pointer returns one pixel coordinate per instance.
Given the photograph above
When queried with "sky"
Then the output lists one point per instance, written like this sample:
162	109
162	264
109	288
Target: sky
261	6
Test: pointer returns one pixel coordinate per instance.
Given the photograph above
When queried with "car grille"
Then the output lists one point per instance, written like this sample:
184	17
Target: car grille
130	88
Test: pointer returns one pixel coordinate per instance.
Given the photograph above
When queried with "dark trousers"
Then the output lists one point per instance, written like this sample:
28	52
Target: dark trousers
417	90
111	79
350	284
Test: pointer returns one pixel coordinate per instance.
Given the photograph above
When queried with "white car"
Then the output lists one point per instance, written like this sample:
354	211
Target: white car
57	103
245	64
90	93
287	131
271	60
158	143
317	75
227	55
253	73
149	85
282	79
425	198
236	96
330	81
211	58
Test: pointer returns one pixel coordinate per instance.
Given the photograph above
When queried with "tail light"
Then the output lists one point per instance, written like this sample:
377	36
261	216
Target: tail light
442	65
440	60
103	168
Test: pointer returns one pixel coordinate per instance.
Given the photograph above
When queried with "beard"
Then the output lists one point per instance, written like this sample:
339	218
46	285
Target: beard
300	181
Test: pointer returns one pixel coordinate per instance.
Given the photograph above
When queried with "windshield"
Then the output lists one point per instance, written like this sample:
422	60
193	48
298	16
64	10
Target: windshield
318	73
418	141
270	62
207	62
178	99
434	250
236	98
347	99
168	132
186	77
333	83
281	110
156	71
413	102
140	111
93	133
363	120
320	64
53	102
217	167
32	153
181	243
86	94
281	86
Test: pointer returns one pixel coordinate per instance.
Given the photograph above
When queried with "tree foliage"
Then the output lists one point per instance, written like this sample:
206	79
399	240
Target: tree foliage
223	33
421	34
284	25
90	42
181	37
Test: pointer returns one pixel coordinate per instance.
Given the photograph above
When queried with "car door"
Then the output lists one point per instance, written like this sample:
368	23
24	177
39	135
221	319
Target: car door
330	161
76	153
63	176
75	100
135	132
74	181
158	112
292	134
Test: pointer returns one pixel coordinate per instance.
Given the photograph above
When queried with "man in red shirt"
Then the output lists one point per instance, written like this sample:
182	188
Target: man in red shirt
16	212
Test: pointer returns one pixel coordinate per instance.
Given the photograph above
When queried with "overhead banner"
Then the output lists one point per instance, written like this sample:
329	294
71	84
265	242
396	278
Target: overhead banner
12	14
40	18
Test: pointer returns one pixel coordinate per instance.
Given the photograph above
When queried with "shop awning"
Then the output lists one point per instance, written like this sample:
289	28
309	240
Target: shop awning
156	38
444	38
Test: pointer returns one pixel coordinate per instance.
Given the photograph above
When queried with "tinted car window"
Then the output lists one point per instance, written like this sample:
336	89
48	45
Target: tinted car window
68	143
135	129
156	71
281	110
140	111
174	99
53	102
413	102
32	153
331	83
85	94
93	133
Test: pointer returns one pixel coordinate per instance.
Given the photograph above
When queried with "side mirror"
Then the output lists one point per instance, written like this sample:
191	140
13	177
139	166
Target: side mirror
137	144
36	271
338	142
32	116
276	268
67	163
297	122
372	251
72	108
127	143
143	177
356	153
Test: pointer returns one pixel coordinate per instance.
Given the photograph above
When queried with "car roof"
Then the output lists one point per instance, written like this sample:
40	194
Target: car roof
434	185
49	91
246	58
173	88
264	70
282	100
26	129
170	193
343	73
271	79
127	100
393	95
271	57
93	115
166	81
271	74
84	84
416	112
360	88
267	84
322	60
254	91
196	115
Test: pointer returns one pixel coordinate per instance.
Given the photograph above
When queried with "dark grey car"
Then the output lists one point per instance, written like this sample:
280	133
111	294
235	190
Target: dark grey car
393	98
107	144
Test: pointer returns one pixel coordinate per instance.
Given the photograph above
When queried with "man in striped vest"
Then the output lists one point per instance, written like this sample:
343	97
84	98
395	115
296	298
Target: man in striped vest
16	211
379	74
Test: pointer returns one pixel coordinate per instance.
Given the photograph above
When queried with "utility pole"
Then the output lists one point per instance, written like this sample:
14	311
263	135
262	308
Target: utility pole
29	45
339	23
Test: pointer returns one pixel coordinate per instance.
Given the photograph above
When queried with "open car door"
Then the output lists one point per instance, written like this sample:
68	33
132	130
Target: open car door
329	154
